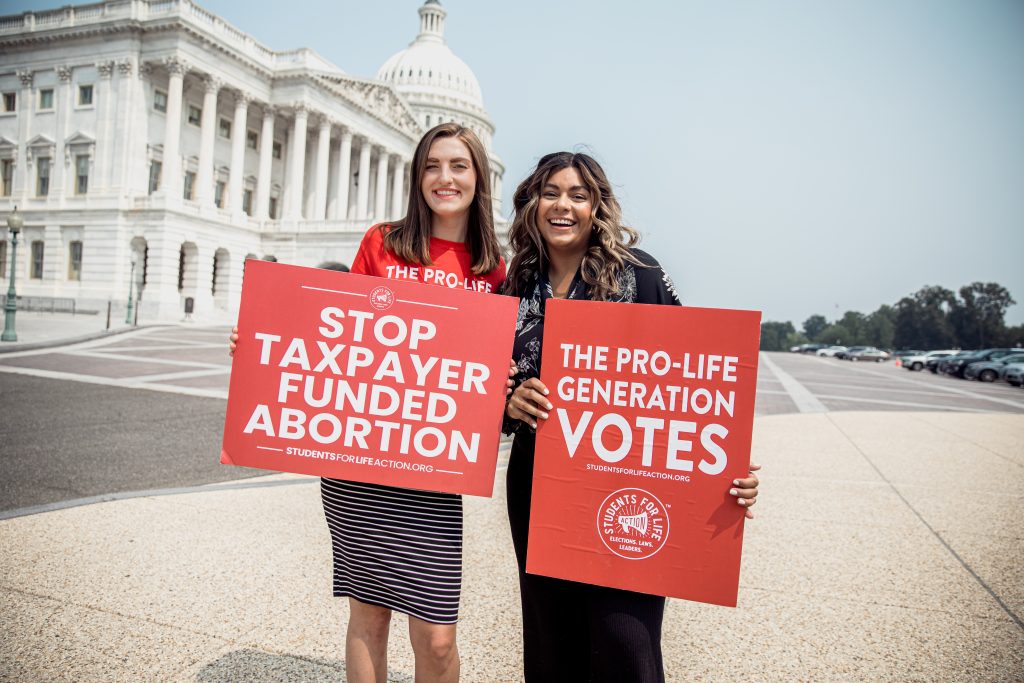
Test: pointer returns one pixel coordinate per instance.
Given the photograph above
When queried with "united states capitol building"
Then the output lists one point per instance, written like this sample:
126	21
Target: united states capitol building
151	142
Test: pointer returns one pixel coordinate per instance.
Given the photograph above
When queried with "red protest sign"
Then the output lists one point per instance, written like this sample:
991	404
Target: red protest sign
361	378
652	420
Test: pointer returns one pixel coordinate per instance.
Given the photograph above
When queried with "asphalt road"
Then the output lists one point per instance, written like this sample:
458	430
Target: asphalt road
790	382
138	411
145	410
64	440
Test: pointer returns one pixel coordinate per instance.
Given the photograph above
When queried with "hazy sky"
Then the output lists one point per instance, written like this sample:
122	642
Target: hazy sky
795	157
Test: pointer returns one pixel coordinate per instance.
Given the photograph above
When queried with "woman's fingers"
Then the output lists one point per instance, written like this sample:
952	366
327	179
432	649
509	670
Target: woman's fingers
536	385
512	372
232	341
745	490
529	402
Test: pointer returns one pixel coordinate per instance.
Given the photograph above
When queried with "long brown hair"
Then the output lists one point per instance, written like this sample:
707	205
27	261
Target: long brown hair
608	249
409	238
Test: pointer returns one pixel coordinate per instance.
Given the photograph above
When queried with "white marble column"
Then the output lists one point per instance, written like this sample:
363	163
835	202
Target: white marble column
139	157
343	176
262	211
237	169
207	136
170	184
23	185
380	201
323	151
105	113
363	186
162	297
297	163
124	134
59	187
397	186
201	278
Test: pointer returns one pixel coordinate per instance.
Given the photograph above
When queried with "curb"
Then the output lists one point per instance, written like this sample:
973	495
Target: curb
52	343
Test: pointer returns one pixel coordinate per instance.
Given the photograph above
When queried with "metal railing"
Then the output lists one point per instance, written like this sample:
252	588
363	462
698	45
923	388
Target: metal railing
45	304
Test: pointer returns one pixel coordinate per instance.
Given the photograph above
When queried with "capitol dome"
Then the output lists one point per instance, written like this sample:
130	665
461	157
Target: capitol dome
428	65
432	79
439	87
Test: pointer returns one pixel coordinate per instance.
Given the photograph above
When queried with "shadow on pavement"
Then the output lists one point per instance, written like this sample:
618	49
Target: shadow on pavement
254	665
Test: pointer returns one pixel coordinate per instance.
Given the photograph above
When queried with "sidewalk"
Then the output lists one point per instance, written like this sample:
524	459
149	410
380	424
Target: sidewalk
40	330
887	546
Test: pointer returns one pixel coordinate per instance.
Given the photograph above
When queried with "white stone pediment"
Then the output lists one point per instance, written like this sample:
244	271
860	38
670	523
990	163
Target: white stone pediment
77	143
39	146
374	98
41	141
80	138
8	148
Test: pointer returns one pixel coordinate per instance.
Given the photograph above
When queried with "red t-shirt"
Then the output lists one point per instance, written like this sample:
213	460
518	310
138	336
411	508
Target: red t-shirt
452	264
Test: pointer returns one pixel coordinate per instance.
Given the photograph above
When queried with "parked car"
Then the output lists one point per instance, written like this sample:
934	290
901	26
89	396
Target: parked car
956	365
905	353
936	364
870	353
845	355
918	362
988	371
1013	374
809	348
830	351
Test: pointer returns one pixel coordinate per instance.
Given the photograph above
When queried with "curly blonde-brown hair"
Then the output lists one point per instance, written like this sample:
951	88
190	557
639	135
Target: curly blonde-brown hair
608	249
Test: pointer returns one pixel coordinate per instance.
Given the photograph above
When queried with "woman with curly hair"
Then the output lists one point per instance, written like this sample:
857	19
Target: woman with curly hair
569	242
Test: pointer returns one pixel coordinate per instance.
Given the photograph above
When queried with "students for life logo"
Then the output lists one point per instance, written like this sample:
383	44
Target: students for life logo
382	298
633	524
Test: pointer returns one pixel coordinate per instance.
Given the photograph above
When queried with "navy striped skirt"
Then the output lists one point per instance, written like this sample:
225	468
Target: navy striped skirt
396	548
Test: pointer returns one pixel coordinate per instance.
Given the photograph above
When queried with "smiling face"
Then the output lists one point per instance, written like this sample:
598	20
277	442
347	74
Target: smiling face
449	178
565	212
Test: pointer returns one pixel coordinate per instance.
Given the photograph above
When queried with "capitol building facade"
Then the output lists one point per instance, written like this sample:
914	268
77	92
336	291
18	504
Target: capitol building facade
150	145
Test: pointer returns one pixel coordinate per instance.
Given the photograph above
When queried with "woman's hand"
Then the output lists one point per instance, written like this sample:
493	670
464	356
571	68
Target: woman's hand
512	372
745	490
233	341
529	402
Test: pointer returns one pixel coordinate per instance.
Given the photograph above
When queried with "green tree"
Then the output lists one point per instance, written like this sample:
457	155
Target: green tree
854	322
813	327
775	336
922	319
836	334
979	316
1012	337
880	327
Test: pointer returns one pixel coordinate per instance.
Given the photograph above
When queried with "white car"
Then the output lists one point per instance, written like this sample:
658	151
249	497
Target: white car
1013	374
831	351
915	363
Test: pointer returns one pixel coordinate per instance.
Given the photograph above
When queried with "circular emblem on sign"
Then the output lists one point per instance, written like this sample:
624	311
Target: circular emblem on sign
381	298
632	523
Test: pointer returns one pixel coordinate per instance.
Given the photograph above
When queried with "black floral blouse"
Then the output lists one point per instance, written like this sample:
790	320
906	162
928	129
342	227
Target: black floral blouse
640	284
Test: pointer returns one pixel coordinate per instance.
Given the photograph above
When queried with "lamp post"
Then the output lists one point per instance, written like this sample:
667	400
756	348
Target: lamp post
131	301
14	223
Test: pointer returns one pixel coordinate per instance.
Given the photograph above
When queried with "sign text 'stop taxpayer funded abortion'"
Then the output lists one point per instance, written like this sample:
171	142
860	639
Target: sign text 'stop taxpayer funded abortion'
361	378
652	421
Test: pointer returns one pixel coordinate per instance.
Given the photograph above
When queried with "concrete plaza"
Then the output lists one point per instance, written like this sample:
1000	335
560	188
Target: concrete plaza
886	547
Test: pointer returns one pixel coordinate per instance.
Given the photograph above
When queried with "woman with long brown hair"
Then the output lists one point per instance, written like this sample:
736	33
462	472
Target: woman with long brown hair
569	242
399	549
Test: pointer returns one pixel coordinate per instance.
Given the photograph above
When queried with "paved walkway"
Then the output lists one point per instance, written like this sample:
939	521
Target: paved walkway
887	547
40	330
